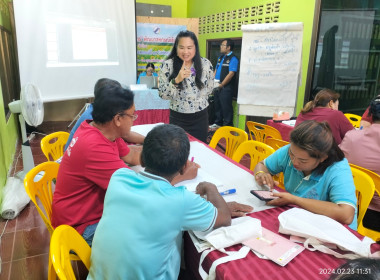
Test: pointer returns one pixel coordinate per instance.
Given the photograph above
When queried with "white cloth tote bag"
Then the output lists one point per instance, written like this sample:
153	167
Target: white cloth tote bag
320	229
241	229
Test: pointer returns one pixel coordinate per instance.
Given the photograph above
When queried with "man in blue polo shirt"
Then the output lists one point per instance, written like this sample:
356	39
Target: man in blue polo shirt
225	72
140	233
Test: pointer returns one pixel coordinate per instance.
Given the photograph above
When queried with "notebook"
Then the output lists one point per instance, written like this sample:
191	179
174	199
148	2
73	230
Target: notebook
274	247
149	81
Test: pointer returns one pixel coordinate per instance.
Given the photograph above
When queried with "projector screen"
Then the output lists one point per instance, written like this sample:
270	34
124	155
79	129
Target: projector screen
65	46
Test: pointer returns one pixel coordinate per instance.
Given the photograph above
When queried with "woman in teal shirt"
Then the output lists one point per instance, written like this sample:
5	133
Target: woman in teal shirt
316	175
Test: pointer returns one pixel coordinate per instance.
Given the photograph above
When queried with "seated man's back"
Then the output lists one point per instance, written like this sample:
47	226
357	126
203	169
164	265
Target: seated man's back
143	220
140	233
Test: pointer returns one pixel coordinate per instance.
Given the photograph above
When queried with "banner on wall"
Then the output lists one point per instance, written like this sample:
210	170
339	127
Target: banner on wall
154	43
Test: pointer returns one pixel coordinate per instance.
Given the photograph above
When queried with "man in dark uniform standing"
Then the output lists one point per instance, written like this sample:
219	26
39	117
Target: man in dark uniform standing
225	72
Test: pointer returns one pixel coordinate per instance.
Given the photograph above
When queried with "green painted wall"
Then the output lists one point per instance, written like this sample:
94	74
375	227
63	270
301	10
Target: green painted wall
8	129
179	7
290	11
8	138
4	14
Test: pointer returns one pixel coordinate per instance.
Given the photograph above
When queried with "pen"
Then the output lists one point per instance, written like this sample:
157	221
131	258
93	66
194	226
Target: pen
192	158
230	191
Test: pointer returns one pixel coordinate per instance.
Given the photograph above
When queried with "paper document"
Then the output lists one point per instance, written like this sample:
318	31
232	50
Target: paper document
290	122
274	247
231	175
144	129
202	176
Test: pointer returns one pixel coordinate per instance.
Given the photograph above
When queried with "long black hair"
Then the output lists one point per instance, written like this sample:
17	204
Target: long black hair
177	62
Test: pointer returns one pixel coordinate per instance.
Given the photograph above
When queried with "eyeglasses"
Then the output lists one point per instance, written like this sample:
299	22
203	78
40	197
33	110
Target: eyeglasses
134	116
223	45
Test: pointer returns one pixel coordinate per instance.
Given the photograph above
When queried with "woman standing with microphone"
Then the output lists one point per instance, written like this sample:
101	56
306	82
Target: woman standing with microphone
187	79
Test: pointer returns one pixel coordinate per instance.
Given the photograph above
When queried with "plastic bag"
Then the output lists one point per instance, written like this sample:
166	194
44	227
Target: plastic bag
15	198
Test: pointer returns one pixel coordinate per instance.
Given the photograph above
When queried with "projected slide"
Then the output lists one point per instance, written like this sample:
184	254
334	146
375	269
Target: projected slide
70	42
65	46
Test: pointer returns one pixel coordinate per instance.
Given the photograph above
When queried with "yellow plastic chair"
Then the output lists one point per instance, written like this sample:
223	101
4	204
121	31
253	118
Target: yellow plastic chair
260	132
64	240
52	145
354	119
276	143
233	136
375	235
255	149
39	184
365	188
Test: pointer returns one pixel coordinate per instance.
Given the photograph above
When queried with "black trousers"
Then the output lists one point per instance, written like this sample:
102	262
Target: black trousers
372	219
223	106
196	124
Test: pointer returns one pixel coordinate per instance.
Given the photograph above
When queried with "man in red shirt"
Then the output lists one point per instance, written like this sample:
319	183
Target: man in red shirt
95	153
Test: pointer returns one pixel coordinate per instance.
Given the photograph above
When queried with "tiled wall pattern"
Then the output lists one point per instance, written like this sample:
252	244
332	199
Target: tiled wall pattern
233	20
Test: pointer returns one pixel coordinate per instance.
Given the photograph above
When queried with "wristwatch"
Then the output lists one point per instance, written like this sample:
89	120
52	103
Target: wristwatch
173	82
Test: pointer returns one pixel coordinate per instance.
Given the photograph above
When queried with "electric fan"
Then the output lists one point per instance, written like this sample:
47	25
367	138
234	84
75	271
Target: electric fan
31	110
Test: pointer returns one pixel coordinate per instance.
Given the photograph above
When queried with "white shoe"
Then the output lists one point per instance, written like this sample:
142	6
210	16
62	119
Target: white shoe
214	126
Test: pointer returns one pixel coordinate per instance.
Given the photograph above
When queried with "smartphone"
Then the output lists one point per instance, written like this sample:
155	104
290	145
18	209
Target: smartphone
263	195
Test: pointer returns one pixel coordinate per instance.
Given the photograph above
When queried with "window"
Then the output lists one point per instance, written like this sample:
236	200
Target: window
347	57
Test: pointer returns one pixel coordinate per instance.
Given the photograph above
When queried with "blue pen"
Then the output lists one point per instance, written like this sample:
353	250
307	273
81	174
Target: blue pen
230	191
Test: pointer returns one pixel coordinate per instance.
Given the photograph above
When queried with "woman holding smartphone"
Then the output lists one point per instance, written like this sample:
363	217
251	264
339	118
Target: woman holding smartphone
317	176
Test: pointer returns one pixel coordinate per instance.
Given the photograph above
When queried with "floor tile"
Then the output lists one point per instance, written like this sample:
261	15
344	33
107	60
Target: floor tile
10	226
31	242
6	246
29	218
5	270
32	268
39	159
